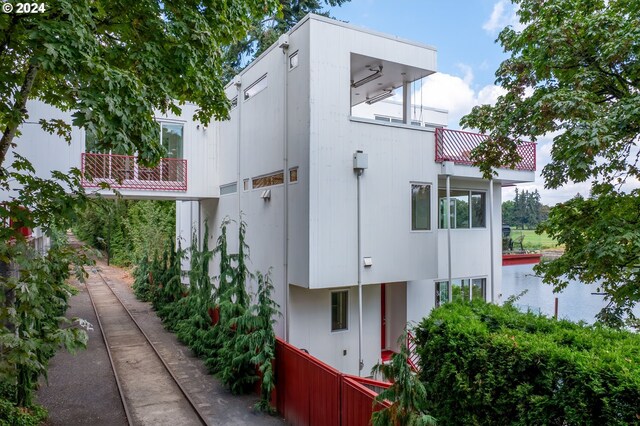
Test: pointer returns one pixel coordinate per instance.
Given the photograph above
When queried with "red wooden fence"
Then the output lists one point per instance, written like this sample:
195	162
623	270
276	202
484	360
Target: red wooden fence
310	392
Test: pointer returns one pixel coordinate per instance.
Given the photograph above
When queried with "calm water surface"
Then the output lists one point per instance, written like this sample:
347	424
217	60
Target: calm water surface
575	303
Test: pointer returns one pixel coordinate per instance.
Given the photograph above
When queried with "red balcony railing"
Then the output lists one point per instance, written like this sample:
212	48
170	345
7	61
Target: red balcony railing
124	172
456	146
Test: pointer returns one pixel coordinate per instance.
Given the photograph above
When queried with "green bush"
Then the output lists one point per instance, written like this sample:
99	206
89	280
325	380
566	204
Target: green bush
485	364
12	415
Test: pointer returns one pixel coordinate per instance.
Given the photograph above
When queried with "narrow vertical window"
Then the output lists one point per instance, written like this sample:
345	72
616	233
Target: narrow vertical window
245	184
420	207
339	310
478	209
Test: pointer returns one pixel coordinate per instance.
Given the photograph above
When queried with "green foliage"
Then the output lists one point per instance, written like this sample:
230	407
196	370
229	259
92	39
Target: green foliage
525	211
12	415
79	56
573	74
34	295
407	395
601	245
127	229
240	346
485	364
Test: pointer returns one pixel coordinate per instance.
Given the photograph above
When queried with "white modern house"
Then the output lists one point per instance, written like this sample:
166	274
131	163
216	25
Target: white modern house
345	190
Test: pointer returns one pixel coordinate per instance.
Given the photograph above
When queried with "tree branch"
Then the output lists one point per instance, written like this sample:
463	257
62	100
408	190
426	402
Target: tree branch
20	107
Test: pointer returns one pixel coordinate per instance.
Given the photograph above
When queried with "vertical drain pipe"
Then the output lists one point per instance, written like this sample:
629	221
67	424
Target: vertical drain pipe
448	210
284	45
493	291
360	163
238	84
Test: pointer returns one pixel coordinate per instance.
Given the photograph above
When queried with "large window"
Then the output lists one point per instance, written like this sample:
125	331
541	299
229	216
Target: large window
420	207
463	290
467	209
339	310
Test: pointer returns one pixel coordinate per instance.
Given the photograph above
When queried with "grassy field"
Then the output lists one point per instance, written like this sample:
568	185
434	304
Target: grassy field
533	241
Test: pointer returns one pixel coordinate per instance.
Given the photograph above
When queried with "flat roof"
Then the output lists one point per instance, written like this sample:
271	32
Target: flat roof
331	21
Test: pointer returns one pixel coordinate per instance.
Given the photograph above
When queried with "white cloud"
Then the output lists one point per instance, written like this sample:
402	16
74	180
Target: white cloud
502	15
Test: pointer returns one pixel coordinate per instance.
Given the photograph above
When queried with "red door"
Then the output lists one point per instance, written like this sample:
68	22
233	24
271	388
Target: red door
383	317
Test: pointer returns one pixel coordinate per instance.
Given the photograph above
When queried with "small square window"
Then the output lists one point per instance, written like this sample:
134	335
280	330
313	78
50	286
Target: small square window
293	175
339	310
293	60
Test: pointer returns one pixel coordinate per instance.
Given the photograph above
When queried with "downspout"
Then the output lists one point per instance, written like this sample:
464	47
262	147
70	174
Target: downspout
360	361
493	292
238	84
284	44
448	215
360	163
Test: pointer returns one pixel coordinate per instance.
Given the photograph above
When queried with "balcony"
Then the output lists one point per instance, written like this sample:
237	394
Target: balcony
456	146
124	172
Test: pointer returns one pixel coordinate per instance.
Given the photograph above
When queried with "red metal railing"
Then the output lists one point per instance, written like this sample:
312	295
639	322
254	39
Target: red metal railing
456	146
124	172
413	358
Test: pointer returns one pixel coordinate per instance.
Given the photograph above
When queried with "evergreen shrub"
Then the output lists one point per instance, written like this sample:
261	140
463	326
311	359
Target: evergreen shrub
485	364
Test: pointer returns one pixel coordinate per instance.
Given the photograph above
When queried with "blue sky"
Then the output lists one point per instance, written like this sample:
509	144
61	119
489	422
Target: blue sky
464	32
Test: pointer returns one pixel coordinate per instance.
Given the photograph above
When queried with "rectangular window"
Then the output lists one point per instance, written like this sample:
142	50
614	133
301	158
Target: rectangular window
229	188
256	87
463	290
467	209
420	207
293	174
245	184
234	102
478	209
339	310
268	180
293	60
171	136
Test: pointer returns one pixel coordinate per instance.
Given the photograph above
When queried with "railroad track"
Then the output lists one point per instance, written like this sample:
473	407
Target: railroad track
150	392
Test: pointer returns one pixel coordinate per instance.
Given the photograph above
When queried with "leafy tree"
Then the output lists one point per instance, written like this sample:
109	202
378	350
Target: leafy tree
115	62
508	208
407	394
574	72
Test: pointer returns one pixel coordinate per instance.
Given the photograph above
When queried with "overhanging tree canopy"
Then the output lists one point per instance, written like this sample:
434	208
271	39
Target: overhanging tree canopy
114	62
574	72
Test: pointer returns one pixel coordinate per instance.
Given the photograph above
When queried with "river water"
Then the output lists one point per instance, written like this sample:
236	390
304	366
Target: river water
575	303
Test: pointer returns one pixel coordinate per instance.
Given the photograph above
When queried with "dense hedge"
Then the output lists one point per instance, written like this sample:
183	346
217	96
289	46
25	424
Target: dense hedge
485	364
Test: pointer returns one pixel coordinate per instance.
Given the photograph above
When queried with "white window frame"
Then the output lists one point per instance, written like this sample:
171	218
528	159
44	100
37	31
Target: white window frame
411	184
346	309
470	193
471	280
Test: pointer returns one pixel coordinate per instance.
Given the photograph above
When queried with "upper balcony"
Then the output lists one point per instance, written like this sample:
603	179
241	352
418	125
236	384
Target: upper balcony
456	146
124	172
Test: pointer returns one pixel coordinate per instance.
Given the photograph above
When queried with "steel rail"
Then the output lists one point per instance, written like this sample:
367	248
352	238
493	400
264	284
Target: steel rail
113	367
182	389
